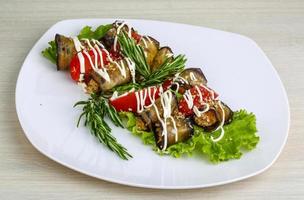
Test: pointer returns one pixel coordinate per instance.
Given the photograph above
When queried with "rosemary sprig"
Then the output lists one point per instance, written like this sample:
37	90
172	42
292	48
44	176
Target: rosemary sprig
167	69
135	52
94	111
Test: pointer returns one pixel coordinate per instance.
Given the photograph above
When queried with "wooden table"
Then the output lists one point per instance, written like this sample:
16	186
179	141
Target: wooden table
277	26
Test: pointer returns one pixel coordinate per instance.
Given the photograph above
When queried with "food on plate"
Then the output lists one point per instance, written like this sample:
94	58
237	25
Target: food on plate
142	86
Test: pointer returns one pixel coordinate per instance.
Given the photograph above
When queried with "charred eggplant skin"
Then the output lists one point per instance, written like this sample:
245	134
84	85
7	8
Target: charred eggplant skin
108	38
194	76
65	51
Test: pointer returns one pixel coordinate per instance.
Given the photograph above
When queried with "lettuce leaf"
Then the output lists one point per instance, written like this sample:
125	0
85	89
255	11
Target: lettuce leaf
99	32
240	135
50	52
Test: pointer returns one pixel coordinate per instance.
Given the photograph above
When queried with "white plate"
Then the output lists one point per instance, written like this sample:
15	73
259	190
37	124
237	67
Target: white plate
234	66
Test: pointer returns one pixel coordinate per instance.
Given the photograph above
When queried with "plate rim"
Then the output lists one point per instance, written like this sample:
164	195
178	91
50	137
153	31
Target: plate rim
151	186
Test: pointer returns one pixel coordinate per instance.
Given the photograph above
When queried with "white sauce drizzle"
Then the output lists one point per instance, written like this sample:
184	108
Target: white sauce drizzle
144	41
221	125
118	31
141	96
192	76
188	98
148	38
98	52
79	47
177	77
121	68
131	66
166	99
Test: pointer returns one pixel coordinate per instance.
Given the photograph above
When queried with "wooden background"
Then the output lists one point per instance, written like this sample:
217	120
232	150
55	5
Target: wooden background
277	26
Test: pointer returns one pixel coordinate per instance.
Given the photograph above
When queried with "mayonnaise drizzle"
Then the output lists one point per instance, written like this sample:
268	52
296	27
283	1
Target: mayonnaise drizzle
177	77
144	41
118	31
94	64
79	47
131	66
166	99
190	103
188	98
220	126
192	76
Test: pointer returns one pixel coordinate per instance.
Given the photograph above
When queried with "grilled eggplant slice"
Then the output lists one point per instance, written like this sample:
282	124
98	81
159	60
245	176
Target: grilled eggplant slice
162	55
227	111
109	37
149	115
184	131
65	51
211	119
115	75
194	76
184	128
208	120
150	47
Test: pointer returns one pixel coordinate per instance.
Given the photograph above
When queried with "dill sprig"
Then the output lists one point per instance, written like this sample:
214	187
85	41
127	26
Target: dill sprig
94	111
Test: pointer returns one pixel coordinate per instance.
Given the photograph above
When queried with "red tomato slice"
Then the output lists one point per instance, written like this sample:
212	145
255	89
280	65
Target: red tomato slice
129	102
206	94
136	36
75	63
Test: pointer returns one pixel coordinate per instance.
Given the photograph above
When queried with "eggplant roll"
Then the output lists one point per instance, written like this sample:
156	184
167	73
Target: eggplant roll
149	115
109	37
150	47
211	119
116	77
184	131
162	55
194	76
65	51
184	128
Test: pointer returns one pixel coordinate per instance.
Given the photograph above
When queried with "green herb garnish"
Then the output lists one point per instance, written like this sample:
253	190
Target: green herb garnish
135	52
99	32
51	52
167	69
94	111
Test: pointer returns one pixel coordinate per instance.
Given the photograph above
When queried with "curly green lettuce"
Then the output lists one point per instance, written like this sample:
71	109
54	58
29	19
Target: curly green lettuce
50	52
240	136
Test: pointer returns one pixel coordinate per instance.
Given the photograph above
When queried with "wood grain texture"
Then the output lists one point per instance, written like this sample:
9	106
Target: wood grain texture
277	26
